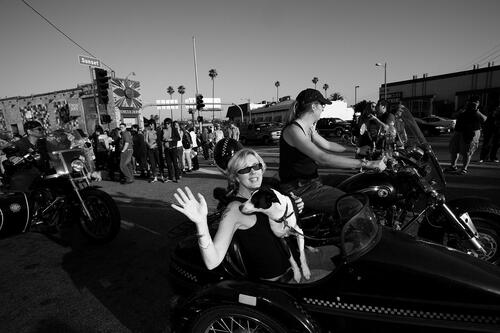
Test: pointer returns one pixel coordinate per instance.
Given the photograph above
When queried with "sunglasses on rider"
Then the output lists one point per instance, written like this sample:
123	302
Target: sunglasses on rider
254	167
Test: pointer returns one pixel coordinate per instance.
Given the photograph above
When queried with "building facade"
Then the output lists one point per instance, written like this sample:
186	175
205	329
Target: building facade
78	105
443	95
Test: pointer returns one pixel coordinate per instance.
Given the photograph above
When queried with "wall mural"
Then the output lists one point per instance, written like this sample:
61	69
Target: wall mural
3	124
36	112
126	94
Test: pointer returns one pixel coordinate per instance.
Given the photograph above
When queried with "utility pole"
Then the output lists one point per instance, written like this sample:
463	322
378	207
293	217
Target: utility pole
196	78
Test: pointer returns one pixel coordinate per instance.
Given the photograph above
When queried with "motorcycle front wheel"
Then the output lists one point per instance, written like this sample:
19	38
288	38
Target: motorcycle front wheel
230	319
489	234
105	220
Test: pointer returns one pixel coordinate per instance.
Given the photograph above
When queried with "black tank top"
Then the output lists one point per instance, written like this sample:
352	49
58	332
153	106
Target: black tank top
293	163
262	251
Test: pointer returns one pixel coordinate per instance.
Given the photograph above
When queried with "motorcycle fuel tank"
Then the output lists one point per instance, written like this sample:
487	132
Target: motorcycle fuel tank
379	187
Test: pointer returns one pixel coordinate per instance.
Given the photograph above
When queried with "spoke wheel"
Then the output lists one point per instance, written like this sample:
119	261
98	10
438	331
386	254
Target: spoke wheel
235	319
105	221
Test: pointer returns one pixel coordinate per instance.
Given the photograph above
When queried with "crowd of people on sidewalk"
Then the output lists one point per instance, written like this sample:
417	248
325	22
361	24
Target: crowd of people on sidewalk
160	152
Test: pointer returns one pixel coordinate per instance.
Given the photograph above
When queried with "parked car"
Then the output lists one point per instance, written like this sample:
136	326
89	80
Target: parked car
432	129
441	121
332	126
266	133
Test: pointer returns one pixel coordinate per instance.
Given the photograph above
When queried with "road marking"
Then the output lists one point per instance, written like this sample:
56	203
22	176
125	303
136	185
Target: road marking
130	225
213	171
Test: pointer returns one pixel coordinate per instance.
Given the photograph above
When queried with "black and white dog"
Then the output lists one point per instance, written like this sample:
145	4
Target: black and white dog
283	222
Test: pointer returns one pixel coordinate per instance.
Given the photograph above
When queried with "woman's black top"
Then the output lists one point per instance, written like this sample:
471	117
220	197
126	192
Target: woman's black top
294	164
262	252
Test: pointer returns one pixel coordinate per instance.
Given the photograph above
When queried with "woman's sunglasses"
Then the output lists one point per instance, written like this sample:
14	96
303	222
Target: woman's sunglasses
246	170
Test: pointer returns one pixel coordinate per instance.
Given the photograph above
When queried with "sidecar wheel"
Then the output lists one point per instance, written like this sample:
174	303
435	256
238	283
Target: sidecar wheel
105	214
234	319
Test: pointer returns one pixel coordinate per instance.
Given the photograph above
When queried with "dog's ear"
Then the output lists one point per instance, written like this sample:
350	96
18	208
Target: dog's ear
271	195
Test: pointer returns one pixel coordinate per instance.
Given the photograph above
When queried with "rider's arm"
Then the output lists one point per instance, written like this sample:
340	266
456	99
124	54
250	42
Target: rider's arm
298	139
329	145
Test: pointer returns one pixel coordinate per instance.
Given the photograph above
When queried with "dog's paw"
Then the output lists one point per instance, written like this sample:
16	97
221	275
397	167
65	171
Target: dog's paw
306	272
296	275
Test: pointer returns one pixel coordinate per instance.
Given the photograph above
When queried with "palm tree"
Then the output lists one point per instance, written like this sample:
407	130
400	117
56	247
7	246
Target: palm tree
336	97
315	80
171	91
213	74
325	88
181	90
277	84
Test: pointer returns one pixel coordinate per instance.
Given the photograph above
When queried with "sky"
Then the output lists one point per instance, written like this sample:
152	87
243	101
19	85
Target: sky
252	44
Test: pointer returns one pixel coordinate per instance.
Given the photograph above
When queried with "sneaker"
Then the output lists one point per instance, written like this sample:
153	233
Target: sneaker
496	161
463	172
481	161
154	180
166	180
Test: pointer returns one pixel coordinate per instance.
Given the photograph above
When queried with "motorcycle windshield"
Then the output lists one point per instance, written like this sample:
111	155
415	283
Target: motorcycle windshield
414	138
61	150
361	232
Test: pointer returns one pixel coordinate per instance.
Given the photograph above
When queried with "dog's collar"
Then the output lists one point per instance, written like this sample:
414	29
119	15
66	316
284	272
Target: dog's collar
285	216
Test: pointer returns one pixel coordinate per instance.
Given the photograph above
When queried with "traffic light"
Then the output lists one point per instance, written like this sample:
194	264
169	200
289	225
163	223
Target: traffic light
102	78
200	119
199	102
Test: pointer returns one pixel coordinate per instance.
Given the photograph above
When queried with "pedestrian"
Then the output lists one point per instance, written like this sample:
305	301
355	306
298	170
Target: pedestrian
126	153
187	145
218	134
176	128
205	143
194	150
465	139
140	151
151	140
101	142
491	137
234	131
170	138
114	154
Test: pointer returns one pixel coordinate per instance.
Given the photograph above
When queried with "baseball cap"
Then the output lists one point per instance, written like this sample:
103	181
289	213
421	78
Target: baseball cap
311	95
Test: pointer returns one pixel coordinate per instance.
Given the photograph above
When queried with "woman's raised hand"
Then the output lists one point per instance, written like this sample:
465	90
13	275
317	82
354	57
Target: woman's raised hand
188	205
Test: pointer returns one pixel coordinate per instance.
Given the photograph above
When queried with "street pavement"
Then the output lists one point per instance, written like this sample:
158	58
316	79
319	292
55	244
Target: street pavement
123	286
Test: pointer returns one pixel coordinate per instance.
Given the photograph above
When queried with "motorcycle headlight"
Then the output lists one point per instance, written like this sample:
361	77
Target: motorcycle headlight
77	165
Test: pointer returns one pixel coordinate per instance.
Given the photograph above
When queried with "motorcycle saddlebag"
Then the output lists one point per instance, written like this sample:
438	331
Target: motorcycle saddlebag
14	213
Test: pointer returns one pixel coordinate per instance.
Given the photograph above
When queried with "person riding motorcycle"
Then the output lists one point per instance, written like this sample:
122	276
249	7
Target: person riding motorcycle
20	178
302	149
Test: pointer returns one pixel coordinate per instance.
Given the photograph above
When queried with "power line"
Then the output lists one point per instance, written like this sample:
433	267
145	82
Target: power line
65	35
483	56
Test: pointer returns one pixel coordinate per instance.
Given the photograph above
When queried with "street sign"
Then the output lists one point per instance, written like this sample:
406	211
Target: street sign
88	61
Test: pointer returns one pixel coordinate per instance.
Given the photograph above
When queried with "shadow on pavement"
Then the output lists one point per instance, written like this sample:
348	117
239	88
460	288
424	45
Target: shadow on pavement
129	276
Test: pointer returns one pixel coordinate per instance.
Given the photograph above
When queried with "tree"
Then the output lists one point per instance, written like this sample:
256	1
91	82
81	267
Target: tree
325	88
181	90
336	97
171	91
213	74
315	81
277	84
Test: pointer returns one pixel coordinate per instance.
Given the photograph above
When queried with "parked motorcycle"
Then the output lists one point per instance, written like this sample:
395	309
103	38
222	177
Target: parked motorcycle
61	195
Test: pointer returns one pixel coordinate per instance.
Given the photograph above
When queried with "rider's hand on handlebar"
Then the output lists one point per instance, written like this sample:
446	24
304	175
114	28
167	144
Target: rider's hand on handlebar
378	165
15	159
298	202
